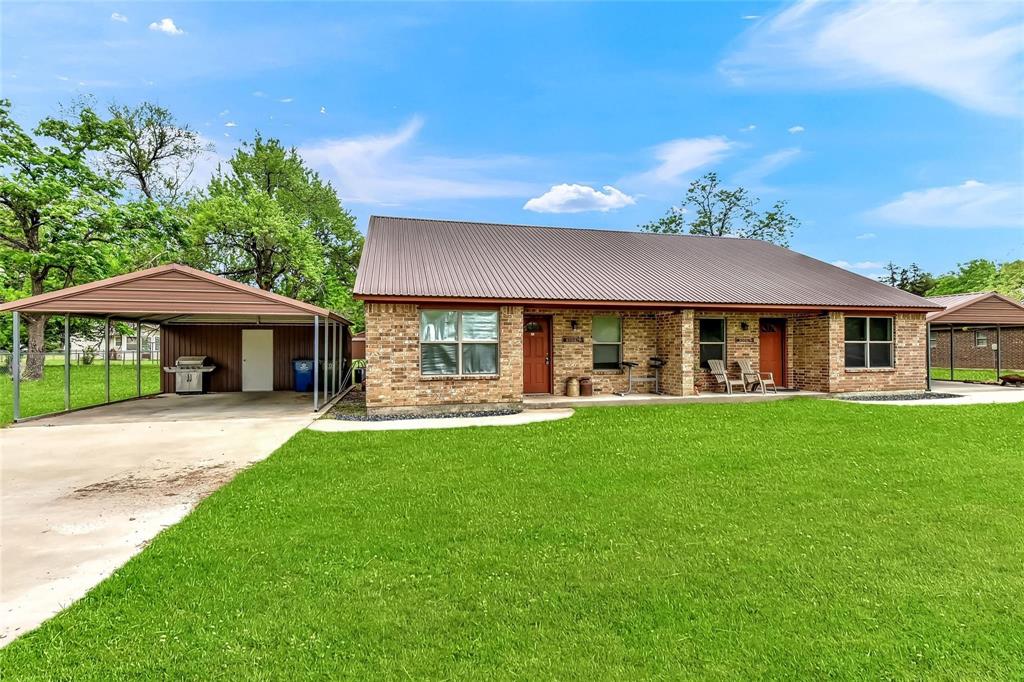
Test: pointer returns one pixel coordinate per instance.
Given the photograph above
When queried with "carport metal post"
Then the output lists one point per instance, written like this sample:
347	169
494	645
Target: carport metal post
328	350
67	362
327	345
928	357
106	353
16	366
316	362
138	358
337	358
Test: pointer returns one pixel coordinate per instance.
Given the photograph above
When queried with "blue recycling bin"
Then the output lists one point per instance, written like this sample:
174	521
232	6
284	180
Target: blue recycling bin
303	375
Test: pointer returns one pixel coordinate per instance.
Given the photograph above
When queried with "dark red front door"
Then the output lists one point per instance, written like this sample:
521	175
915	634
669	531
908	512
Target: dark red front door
773	349
536	358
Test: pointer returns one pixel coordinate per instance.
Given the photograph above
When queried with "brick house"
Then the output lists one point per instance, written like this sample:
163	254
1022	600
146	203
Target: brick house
987	330
470	315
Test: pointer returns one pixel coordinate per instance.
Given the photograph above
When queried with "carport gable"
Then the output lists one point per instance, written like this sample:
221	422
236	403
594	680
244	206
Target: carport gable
165	293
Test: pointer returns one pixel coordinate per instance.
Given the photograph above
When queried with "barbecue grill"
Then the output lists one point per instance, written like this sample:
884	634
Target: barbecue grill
188	372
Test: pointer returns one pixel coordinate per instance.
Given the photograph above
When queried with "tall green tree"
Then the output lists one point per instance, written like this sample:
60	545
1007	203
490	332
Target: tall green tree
719	211
912	279
981	274
268	220
61	221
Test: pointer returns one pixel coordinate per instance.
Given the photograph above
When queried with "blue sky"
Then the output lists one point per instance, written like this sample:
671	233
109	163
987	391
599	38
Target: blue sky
894	131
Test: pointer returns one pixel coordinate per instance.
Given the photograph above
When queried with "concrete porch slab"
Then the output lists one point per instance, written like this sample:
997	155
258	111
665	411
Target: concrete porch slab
537	402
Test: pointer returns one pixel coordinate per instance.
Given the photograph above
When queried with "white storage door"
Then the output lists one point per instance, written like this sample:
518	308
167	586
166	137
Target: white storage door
257	360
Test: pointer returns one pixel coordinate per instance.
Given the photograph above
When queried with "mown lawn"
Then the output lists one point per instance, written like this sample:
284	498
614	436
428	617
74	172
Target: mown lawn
968	374
796	539
87	388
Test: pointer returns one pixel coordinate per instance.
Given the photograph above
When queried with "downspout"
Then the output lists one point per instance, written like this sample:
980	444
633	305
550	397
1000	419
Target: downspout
928	355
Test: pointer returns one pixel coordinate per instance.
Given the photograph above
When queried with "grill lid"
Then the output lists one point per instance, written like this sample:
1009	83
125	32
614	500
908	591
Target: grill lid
191	361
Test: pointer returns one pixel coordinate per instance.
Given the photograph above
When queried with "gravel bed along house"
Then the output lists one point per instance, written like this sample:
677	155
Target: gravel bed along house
352	407
922	395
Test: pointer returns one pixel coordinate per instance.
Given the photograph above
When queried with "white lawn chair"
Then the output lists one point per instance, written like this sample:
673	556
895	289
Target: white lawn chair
754	377
722	377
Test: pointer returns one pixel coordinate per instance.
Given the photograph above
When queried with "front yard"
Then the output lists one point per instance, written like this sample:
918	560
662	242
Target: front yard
790	539
987	376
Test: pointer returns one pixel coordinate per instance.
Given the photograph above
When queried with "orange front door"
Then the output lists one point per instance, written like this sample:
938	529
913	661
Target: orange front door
773	349
536	355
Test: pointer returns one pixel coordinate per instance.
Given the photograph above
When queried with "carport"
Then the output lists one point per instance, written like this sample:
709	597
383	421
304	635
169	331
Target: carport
975	336
252	336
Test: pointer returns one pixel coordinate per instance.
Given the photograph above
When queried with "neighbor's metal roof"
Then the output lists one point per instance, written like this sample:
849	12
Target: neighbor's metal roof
980	307
409	257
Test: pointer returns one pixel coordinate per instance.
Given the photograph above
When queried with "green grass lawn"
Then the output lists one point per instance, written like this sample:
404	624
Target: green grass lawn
87	388
794	539
967	374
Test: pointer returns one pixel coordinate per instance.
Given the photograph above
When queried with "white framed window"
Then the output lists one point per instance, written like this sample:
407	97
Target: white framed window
980	338
869	342
712	340
933	339
607	341
455	342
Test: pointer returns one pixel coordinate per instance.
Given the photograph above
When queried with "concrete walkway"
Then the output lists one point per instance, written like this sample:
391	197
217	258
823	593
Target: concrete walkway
969	394
84	492
524	417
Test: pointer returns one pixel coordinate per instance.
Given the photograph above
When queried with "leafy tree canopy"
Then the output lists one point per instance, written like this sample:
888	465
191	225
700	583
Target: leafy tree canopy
62	221
912	279
268	220
719	211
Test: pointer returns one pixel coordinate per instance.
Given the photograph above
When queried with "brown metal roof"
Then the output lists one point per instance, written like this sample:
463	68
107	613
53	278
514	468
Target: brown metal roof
982	307
414	258
168	292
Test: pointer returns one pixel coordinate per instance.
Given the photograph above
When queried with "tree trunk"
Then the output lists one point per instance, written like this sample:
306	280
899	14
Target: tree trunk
36	325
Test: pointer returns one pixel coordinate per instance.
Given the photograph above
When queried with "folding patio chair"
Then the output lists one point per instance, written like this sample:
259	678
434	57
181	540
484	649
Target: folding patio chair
755	377
720	375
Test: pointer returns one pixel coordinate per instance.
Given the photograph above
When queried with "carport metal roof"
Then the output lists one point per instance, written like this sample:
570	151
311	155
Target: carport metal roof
171	294
178	294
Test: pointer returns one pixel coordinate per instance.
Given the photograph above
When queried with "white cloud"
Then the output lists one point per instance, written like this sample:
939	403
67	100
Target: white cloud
259	93
968	53
117	16
567	198
63	78
166	25
224	113
862	265
323	110
972	204
230	124
286	100
680	156
795	129
751	17
866	235
386	169
748	128
766	165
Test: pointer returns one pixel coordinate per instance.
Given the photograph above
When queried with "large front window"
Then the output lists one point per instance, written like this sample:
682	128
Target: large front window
458	342
712	340
607	340
868	342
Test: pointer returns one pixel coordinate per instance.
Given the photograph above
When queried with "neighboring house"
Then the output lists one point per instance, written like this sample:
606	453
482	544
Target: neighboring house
465	314
987	331
122	346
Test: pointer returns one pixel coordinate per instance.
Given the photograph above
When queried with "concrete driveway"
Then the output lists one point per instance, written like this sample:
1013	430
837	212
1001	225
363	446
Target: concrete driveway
83	492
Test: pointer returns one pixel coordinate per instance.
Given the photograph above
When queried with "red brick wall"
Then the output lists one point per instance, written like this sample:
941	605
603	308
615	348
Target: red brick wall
969	356
393	380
